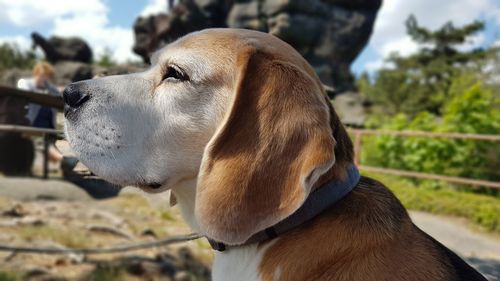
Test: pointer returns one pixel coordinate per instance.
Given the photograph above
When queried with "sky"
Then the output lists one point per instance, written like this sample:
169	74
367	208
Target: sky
389	33
107	24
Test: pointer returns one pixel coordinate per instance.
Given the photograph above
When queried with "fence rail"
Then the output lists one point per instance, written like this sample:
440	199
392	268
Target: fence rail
33	97
359	133
29	130
105	250
480	137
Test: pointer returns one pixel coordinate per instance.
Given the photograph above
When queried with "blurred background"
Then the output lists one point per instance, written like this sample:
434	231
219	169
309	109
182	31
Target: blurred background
416	82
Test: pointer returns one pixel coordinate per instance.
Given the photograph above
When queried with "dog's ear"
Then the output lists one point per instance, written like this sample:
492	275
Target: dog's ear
274	144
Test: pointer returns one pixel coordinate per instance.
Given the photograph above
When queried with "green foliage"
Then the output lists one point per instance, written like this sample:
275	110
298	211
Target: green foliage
106	59
12	57
422	82
443	38
474	111
481	210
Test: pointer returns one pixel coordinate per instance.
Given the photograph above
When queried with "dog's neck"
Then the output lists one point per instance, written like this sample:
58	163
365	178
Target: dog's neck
317	202
185	194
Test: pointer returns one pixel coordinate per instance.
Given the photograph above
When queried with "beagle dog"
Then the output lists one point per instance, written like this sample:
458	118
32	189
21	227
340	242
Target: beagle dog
237	125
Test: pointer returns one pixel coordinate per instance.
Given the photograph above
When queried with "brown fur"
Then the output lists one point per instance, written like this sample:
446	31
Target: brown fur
366	236
279	128
278	125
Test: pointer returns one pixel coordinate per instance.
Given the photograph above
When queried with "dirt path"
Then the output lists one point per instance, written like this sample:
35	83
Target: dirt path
480	250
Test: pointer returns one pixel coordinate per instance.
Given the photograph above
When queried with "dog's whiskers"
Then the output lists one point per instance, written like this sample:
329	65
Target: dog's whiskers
112	154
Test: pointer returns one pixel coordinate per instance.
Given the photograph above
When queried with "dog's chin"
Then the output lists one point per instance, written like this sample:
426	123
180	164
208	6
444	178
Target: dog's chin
153	187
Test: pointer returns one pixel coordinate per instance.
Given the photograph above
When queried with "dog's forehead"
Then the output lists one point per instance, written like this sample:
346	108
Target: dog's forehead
219	42
199	44
200	53
233	41
216	50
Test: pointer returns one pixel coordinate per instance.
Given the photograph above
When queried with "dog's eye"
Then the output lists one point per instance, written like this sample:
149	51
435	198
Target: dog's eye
174	74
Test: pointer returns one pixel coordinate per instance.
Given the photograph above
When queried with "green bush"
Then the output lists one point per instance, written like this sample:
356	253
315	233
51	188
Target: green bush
423	81
473	109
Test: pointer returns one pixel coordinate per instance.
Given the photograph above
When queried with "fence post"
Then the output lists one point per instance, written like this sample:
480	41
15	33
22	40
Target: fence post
45	156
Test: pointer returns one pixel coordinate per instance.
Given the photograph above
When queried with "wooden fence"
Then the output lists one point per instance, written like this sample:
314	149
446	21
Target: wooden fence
32	97
359	133
57	102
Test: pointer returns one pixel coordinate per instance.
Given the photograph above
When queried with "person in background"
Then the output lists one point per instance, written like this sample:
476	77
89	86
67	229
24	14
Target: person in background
42	116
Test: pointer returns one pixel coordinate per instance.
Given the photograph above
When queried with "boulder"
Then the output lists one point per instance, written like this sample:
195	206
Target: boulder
351	108
29	189
11	76
118	69
17	154
63	49
153	32
246	15
330	34
67	72
147	31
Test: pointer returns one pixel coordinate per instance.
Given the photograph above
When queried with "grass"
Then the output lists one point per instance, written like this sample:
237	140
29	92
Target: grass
481	210
107	273
9	276
131	202
68	238
167	215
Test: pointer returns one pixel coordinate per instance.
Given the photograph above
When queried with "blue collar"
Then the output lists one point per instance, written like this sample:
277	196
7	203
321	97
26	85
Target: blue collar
317	202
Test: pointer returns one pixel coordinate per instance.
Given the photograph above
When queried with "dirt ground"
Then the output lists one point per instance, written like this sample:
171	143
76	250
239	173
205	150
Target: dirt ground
70	223
58	214
480	250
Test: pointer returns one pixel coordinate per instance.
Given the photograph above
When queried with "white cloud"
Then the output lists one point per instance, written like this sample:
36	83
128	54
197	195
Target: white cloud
374	65
389	33
29	12
404	46
86	19
473	42
95	29
154	7
496	43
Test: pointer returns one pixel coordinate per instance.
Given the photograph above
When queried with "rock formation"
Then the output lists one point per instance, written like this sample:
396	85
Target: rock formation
58	49
328	33
152	32
71	57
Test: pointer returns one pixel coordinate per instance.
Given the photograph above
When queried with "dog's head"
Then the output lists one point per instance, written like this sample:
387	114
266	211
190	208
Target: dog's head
239	110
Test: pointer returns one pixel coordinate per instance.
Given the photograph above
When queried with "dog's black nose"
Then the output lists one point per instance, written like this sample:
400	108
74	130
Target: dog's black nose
74	97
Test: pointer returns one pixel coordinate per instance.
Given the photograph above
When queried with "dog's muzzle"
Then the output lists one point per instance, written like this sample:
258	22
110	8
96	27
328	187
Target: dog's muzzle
74	97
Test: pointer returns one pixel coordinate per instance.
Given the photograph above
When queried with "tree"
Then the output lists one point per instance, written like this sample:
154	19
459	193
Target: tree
422	81
12	57
106	59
